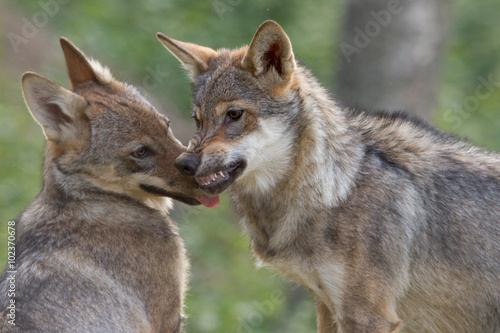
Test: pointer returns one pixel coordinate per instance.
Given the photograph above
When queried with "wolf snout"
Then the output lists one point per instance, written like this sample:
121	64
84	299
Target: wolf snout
187	163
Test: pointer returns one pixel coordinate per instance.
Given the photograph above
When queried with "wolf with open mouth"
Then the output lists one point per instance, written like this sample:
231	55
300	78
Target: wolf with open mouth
387	220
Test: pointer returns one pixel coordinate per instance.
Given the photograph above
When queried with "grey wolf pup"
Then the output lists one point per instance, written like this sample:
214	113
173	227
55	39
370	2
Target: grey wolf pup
388	221
95	251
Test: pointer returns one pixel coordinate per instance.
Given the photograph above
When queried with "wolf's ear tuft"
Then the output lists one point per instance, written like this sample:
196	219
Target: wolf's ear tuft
79	68
270	51
194	57
55	108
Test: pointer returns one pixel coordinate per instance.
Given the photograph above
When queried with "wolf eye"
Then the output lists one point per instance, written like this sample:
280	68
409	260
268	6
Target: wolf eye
196	120
140	152
234	114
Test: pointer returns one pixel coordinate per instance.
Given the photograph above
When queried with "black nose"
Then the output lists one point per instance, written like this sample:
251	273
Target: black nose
187	163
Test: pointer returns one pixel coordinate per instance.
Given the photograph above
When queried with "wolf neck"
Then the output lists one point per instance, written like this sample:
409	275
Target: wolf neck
323	159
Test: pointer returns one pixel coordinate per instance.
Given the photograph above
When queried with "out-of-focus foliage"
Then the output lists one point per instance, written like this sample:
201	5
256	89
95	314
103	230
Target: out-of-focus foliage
469	98
227	292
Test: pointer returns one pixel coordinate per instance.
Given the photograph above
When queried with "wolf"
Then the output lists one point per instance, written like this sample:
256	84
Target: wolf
390	222
96	250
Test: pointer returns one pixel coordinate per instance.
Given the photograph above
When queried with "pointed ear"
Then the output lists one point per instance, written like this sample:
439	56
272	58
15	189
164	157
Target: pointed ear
55	108
194	57
79	68
270	51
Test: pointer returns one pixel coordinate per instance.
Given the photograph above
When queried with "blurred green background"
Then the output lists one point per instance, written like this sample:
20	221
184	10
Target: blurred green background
227	292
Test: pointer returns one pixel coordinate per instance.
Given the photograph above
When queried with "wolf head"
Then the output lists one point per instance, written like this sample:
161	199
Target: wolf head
245	106
103	135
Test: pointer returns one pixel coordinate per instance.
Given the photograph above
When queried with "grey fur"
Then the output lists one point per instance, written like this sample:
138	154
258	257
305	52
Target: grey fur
96	250
388	221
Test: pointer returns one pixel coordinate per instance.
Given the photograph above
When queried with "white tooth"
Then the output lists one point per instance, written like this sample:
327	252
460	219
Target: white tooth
221	173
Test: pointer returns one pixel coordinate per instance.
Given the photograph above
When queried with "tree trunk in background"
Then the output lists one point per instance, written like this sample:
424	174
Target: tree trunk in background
390	54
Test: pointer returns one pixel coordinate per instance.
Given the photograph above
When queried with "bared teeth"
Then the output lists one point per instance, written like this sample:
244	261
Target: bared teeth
207	180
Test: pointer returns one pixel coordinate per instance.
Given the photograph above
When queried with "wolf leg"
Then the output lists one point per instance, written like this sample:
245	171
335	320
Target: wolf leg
325	320
369	323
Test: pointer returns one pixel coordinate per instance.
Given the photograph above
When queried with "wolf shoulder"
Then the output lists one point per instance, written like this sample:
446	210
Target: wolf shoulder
427	156
439	188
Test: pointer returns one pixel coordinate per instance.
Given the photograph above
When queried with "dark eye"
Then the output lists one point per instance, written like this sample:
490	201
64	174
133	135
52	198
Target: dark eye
234	114
196	120
140	152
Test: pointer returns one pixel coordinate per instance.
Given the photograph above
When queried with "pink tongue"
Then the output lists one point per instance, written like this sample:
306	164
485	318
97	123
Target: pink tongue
209	202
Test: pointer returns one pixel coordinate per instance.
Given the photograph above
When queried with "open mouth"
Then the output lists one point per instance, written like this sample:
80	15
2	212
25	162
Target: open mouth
220	180
161	192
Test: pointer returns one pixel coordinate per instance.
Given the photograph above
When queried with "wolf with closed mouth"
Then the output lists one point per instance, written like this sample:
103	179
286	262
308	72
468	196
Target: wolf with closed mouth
388	221
96	250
